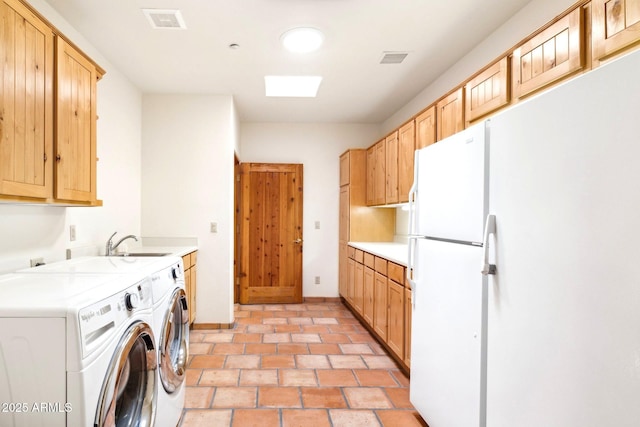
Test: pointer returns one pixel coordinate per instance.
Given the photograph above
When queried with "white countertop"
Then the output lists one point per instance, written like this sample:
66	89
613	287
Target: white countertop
392	251
172	250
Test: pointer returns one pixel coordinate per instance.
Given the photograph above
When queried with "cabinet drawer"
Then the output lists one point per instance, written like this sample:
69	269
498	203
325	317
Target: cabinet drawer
359	256
396	273
369	260
351	252
381	265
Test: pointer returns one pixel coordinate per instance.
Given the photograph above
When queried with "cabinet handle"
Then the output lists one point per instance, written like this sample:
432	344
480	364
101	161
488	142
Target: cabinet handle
58	158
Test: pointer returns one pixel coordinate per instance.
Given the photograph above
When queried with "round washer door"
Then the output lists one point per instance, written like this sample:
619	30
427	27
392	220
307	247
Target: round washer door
174	342
129	393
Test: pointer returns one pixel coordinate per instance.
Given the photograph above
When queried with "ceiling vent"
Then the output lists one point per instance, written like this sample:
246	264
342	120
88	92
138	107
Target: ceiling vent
393	57
165	19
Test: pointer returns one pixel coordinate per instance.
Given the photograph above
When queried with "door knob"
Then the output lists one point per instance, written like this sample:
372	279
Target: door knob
297	241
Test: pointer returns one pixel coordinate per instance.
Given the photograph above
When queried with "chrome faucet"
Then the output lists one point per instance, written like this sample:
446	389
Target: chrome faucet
110	247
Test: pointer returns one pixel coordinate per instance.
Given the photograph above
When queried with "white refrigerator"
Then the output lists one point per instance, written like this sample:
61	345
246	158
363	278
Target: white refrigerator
550	334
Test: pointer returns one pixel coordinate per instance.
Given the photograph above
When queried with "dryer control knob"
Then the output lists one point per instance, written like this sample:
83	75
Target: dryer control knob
175	273
131	301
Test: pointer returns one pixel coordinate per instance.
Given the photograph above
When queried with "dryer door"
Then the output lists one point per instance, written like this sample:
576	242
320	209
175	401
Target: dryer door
174	342
129	393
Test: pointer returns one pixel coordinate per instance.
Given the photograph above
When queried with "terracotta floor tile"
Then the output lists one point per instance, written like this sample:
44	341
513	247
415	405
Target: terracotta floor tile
279	397
249	321
356	349
305	338
250	361
209	418
198	397
241	314
245	338
347	362
361	338
276	338
297	377
258	377
278	361
307	361
275	307
219	377
325	320
228	348
335	338
399	396
287	328
379	362
261	314
235	397
324	349
306	418
322	397
260	329
259	349
400	418
341	329
375	377
314	329
207	361
276	321
336	377
249	307
193	376
200	348
216	338
256	418
288	314
402	379
195	337
293	349
353	418
300	321
367	397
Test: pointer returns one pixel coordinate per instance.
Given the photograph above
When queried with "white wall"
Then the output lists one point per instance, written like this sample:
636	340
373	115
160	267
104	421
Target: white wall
534	15
43	231
318	147
188	144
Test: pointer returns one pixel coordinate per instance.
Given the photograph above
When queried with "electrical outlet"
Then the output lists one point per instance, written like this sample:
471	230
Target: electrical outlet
72	233
317	280
36	262
317	225
214	227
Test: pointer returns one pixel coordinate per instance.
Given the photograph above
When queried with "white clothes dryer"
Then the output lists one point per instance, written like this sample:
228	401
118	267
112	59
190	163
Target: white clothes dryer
77	350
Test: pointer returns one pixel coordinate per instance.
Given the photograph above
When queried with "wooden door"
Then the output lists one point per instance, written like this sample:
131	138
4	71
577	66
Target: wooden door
358	289
26	102
380	306
616	26
395	335
450	114
371	176
406	150
391	163
380	173
271	233
76	125
351	281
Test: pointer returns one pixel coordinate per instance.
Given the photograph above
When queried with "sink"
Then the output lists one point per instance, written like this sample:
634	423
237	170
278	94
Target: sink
137	254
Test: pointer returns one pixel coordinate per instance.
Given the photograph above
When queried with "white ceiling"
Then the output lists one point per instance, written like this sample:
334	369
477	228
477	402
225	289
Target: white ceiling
356	88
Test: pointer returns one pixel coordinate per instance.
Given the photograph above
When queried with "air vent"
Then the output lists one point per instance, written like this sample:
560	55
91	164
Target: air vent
393	57
165	19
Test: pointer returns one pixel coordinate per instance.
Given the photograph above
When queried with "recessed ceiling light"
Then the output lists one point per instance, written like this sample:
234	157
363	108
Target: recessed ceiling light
292	86
302	40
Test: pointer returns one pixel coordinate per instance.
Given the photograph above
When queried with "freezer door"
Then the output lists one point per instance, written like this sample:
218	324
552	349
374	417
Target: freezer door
451	191
448	330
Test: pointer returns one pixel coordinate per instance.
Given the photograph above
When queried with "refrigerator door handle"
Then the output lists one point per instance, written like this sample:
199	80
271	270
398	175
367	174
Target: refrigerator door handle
489	229
410	266
412	197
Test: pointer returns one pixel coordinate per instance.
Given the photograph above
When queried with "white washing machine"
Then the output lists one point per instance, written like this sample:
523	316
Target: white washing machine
171	326
76	350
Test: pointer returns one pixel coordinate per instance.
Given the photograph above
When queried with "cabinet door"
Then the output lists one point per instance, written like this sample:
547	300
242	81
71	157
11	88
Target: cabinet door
395	335
343	262
344	214
380	173
26	103
351	281
358	291
548	56
380	307
371	175
408	307
616	26
391	171
76	125
192	293
187	290
426	128
367	303
344	169
450	114
406	150
488	91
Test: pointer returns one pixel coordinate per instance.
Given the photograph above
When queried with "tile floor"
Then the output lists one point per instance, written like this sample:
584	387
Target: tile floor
309	364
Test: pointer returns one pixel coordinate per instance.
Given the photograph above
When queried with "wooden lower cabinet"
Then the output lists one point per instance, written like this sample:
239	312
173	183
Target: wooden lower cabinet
358	291
190	282
367	304
380	306
351	280
395	333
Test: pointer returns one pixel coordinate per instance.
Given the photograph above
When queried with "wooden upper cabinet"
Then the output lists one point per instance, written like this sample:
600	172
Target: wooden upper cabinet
26	102
380	174
391	168
344	169
488	91
450	114
406	150
77	78
549	56
615	26
371	175
426	128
